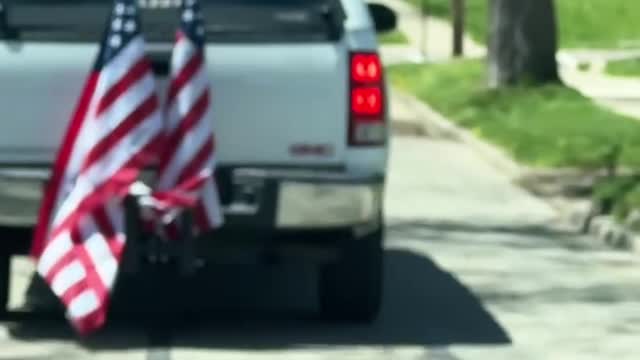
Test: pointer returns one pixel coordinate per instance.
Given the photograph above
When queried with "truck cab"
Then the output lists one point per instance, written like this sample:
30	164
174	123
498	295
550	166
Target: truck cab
300	114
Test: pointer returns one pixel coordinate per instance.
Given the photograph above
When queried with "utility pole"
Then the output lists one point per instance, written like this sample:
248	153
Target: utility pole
421	53
458	12
421	56
424	11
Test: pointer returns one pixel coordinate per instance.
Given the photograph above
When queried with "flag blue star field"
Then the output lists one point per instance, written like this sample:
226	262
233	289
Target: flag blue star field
124	26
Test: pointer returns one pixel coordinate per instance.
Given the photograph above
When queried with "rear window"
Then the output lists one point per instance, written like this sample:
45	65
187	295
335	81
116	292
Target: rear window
227	20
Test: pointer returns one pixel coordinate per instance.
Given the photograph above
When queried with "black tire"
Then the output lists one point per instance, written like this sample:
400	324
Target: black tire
351	289
5	270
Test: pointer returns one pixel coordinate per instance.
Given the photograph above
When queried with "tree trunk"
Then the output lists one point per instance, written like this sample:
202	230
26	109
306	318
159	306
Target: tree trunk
458	11
522	43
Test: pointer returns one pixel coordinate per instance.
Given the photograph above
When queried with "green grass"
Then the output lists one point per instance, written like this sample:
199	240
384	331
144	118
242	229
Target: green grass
394	37
581	23
547	126
627	68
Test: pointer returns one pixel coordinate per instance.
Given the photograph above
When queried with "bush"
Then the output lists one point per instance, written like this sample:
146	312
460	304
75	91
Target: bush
618	195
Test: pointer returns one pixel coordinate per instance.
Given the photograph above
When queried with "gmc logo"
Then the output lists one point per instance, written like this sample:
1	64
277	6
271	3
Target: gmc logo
159	4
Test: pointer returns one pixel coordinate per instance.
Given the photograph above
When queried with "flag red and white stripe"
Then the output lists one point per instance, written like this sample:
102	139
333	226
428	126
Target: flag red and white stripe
188	164
115	132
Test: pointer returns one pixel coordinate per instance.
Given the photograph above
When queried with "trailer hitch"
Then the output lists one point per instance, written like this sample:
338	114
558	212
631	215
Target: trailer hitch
146	247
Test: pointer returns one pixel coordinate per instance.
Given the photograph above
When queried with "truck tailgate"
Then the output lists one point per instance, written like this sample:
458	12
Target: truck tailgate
283	104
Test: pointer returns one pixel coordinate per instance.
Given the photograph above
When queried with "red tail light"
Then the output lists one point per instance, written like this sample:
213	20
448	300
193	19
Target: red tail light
367	126
366	101
366	68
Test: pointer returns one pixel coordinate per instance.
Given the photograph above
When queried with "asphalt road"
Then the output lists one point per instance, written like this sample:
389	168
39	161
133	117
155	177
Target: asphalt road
475	269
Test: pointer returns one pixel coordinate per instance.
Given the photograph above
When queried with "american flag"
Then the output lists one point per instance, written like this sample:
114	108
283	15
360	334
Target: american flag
115	132
188	163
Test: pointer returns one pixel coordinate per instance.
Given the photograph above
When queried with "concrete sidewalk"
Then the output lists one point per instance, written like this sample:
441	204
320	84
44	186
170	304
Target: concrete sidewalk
619	94
431	41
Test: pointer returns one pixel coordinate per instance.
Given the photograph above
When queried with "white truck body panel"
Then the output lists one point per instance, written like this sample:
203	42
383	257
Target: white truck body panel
267	98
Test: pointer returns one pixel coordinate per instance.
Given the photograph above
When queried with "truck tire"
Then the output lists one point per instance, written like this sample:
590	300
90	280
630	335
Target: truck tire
5	269
351	289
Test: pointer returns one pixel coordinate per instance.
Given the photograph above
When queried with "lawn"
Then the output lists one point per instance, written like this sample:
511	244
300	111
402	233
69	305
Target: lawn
394	37
627	67
548	126
581	23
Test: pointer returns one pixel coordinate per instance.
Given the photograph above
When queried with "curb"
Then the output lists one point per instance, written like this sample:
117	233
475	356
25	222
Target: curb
569	197
406	127
436	125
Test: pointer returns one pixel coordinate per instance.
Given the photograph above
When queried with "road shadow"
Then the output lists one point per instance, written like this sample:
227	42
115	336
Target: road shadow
423	305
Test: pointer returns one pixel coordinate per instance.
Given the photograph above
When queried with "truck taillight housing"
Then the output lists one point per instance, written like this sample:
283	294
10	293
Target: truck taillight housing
367	124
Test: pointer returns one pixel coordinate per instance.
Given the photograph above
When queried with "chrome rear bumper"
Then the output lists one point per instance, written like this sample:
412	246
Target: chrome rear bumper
291	199
279	199
20	195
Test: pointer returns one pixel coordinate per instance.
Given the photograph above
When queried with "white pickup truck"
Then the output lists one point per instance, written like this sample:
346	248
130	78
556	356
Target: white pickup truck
300	113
